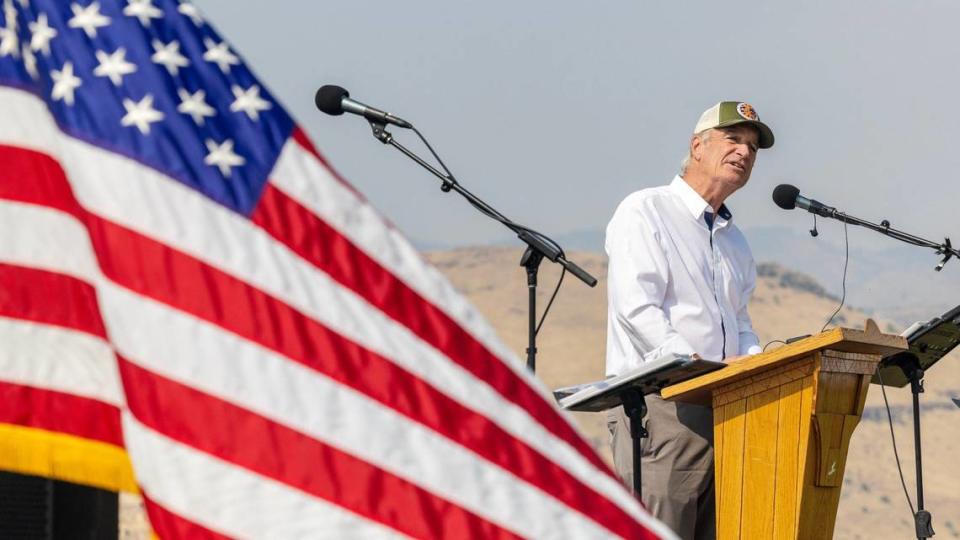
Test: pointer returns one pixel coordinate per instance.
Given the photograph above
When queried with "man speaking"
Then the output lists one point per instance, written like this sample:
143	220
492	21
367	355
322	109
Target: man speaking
679	281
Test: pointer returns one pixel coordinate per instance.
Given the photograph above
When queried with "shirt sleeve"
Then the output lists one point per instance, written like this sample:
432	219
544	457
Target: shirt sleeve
748	339
637	279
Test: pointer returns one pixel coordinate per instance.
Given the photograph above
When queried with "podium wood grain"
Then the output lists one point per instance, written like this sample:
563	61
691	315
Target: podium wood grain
782	426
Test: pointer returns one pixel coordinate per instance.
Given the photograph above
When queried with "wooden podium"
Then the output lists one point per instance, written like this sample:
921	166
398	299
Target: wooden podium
782	426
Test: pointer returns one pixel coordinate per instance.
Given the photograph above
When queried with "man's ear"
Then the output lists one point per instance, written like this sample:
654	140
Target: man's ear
696	148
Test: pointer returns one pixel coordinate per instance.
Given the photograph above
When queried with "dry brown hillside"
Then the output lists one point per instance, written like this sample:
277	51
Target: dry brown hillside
786	304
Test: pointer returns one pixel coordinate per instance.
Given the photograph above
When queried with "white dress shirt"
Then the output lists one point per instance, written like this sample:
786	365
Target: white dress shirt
675	284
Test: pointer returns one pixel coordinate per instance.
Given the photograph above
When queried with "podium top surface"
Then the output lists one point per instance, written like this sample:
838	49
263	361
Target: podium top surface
870	341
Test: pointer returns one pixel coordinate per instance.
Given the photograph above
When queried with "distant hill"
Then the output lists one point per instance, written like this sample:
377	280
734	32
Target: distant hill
786	303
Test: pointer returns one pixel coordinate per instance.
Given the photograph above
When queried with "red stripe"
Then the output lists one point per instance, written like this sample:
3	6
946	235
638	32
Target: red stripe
215	426
314	240
189	285
57	411
33	177
169	525
49	298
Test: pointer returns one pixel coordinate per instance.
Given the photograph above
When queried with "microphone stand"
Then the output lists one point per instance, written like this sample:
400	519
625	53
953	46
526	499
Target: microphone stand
539	246
907	362
945	249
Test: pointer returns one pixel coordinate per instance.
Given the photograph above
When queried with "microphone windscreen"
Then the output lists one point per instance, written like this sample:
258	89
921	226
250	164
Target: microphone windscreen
785	196
329	99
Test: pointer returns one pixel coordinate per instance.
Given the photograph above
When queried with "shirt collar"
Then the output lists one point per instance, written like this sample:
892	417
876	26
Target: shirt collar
695	203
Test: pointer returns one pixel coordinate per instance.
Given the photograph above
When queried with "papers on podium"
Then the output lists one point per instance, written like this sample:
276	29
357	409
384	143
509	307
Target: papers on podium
649	377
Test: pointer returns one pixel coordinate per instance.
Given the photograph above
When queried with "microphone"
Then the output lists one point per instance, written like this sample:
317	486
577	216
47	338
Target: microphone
788	197
335	101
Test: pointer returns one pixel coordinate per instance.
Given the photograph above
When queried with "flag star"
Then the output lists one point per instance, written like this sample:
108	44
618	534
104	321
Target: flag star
189	10
169	56
143	10
10	14
195	105
30	62
114	66
64	83
41	34
222	156
219	54
88	18
25	3
140	114
249	101
9	42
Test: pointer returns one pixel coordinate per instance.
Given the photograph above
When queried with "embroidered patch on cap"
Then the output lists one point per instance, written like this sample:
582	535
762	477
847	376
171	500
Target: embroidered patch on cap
746	110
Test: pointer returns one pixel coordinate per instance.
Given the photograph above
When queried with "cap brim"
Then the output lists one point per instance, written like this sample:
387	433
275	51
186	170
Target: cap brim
765	140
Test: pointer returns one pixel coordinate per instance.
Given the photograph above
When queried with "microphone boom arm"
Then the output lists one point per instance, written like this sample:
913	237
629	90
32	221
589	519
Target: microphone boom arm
945	249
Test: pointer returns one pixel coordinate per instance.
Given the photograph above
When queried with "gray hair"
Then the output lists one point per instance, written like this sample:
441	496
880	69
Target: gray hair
685	162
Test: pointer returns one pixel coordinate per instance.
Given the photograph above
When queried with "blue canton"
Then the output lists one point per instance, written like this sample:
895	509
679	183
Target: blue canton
149	79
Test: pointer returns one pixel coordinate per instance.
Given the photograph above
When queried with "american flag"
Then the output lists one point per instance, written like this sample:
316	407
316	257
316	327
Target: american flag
196	308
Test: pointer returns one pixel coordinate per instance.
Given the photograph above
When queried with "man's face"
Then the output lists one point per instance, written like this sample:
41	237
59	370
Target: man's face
727	155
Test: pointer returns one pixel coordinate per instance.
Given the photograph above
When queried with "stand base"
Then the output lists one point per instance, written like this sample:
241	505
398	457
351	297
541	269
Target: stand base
924	524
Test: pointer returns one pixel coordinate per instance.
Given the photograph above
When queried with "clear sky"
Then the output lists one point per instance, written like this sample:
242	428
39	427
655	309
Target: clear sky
554	111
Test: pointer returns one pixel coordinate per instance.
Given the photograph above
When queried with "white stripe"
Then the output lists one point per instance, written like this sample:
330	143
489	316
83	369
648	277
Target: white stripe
180	217
305	179
230	500
201	355
58	359
47	239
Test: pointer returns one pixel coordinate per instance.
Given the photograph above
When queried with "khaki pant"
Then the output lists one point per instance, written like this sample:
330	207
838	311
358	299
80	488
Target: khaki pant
677	464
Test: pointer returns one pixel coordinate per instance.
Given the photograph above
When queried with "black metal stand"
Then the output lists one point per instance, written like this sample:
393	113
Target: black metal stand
539	246
910	365
635	407
531	261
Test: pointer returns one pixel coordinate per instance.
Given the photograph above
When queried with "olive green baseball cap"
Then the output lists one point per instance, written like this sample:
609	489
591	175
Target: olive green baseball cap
731	113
